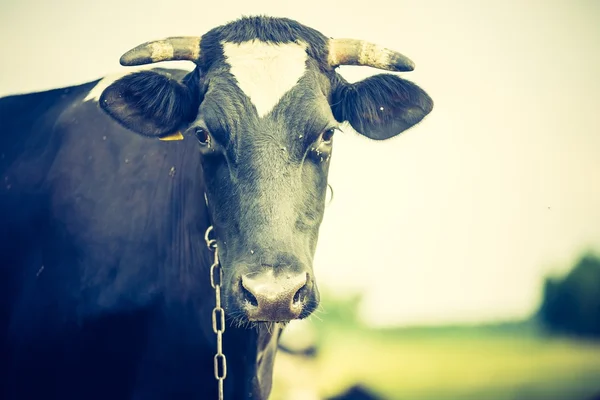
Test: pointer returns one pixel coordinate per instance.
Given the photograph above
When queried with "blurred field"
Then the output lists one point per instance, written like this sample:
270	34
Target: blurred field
492	363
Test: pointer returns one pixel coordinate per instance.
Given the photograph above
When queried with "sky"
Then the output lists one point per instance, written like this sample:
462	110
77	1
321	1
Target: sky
456	220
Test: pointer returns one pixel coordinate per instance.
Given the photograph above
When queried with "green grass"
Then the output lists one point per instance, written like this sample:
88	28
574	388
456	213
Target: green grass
456	363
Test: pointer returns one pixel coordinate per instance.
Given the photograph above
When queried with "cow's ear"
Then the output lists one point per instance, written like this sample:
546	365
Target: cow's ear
381	106
149	103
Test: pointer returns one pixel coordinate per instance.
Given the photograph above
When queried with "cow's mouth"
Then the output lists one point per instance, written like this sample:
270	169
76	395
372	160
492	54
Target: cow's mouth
259	326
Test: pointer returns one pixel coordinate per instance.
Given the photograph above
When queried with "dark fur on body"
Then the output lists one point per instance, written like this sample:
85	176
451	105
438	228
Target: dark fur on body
104	285
104	288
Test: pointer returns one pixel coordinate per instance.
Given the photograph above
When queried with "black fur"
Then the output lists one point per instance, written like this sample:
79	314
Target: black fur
381	106
149	103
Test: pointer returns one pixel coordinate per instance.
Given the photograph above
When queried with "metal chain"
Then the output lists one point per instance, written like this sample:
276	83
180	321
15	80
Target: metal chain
218	314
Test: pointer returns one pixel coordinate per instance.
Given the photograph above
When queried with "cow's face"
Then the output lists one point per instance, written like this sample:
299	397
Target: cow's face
265	130
263	113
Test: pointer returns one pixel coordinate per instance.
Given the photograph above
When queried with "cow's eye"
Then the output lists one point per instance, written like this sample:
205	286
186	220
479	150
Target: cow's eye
202	136
327	135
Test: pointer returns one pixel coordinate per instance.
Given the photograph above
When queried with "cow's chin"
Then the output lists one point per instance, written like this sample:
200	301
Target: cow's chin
260	326
239	319
236	317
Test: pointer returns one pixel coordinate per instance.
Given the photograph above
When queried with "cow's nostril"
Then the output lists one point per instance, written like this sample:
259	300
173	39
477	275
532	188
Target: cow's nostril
300	295
249	297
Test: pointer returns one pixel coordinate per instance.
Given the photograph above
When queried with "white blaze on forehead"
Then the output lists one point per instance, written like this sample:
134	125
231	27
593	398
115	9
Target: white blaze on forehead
265	71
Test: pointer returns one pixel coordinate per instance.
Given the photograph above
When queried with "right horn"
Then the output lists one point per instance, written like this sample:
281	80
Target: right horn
173	48
359	52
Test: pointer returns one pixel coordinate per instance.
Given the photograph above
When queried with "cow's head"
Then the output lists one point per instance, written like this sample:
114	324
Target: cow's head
262	107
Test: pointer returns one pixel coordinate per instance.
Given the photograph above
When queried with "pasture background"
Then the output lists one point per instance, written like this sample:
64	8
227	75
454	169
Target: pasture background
511	361
455	222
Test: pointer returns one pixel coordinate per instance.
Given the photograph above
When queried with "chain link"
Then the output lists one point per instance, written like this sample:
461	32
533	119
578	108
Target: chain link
218	313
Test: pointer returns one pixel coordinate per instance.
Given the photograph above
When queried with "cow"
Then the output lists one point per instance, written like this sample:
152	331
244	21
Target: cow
108	189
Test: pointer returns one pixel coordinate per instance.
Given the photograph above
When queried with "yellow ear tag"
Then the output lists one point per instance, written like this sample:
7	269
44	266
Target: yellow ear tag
174	136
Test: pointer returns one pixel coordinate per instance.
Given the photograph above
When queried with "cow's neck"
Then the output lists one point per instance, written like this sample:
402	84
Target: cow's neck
250	356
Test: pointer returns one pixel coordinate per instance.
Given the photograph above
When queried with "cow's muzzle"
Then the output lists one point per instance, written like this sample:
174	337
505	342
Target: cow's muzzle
267	296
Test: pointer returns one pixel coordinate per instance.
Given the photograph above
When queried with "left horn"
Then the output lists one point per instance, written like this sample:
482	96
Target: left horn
359	52
173	48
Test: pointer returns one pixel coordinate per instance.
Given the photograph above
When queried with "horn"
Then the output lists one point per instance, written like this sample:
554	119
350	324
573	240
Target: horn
173	48
359	52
